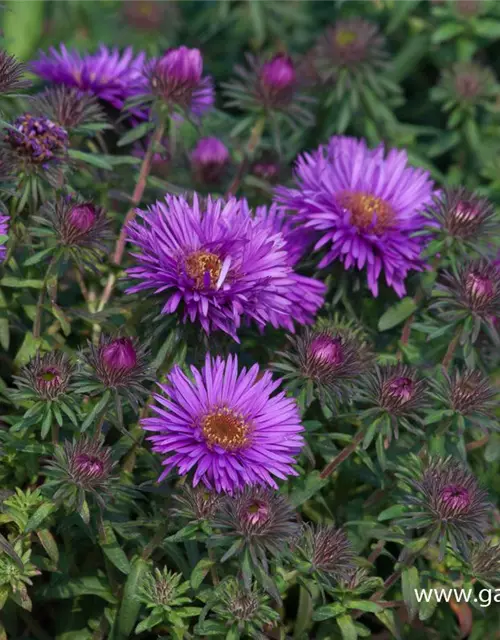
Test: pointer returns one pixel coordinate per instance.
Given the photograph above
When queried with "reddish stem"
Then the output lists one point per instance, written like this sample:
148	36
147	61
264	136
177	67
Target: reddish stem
343	455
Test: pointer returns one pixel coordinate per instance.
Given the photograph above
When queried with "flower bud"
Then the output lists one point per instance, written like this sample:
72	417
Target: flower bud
38	140
277	81
119	355
82	217
209	159
176	75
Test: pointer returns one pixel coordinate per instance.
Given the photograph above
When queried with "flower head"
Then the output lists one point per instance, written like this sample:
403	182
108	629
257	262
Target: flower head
226	425
117	363
37	140
68	107
244	609
83	465
110	76
471	394
4	230
177	79
328	359
484	561
215	263
367	208
474	291
353	46
466	85
195	504
209	160
47	376
267	167
463	215
260	519
327	552
11	74
445	499
160	588
269	86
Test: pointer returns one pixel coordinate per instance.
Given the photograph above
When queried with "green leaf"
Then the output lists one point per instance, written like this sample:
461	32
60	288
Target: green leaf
306	488
409	582
7	548
63	319
4	333
347	628
38	257
72	588
328	611
447	32
488	28
135	134
89	158
397	314
97	410
49	544
112	550
211	628
200	571
21	283
22	25
28	349
130	605
392	512
43	511
365	605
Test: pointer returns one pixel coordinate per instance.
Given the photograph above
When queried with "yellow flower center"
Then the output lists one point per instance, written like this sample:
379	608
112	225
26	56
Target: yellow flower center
225	428
200	263
344	37
367	211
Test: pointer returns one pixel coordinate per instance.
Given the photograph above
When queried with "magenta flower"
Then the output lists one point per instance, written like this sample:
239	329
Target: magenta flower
209	159
365	206
217	265
177	79
4	230
119	355
109	75
226	425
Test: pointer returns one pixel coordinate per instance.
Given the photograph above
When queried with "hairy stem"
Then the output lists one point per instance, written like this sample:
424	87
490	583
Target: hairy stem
37	323
450	352
343	455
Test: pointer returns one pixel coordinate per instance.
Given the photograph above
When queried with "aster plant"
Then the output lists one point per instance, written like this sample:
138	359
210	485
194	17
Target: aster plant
79	471
364	207
232	433
462	222
256	525
446	502
117	367
46	386
70	108
214	265
11	74
164	595
467	302
209	160
325	362
484	563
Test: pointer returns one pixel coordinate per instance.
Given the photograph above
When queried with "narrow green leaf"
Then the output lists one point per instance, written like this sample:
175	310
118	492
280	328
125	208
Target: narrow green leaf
72	588
200	571
347	628
130	605
89	158
135	133
397	314
111	548
43	511
409	582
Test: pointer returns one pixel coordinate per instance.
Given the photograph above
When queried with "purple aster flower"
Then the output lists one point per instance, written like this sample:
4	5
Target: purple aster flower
214	261
45	377
307	294
327	552
109	75
177	78
227	425
209	159
37	140
4	229
368	207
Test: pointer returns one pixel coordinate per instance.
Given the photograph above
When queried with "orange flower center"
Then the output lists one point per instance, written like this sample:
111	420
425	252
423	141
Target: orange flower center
225	428
367	211
201	263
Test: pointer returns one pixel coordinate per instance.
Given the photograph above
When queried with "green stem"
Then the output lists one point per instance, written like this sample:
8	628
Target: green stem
155	542
450	352
37	323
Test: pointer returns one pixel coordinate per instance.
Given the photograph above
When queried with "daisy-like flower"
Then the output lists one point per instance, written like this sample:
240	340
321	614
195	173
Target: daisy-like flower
226	425
366	206
307	294
45	377
37	140
177	79
446	500
108	74
214	262
4	230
